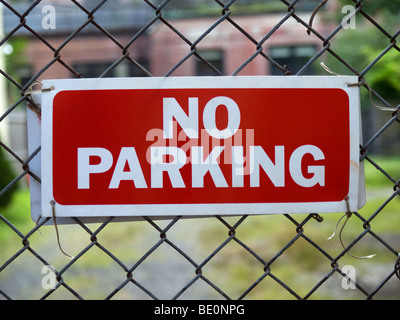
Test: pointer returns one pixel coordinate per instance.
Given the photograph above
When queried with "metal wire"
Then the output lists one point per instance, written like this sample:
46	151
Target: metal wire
301	234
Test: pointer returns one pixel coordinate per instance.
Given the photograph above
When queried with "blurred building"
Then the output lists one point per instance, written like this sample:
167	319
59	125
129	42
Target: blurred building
89	48
94	48
77	43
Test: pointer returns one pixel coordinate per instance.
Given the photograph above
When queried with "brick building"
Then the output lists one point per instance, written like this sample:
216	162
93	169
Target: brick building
226	48
72	42
90	52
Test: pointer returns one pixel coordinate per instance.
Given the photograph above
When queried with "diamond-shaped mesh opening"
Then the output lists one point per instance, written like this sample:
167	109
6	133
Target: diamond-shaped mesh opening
233	269
164	273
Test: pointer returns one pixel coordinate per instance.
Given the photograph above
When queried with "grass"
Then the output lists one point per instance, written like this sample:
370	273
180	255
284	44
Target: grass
301	265
267	236
374	179
17	213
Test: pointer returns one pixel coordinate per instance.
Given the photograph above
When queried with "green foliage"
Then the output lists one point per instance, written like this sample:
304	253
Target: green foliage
363	45
18	58
374	179
6	176
177	9
384	78
375	6
15	63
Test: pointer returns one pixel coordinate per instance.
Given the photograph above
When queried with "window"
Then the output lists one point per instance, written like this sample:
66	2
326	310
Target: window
295	57
124	69
215	58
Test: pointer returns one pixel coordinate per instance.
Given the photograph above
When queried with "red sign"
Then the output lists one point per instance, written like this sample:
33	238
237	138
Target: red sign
176	150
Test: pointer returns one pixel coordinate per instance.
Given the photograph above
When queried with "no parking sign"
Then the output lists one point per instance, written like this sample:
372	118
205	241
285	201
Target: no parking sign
200	146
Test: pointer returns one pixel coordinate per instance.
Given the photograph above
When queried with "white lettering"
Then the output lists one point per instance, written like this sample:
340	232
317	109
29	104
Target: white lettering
275	172
85	169
49	20
159	166
216	309
349	281
349	21
49	281
317	171
209	117
171	159
189	123
182	311
237	167
200	167
135	173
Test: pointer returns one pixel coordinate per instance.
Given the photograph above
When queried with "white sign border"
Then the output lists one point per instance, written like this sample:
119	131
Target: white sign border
356	189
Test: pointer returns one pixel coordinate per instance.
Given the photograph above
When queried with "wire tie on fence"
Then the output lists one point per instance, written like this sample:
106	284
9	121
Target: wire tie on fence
37	222
363	82
347	215
53	207
317	217
31	91
396	187
359	84
397	266
314	14
375	105
337	225
323	65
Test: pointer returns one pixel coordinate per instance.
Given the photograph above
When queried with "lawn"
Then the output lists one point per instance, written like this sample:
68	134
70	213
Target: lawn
233	268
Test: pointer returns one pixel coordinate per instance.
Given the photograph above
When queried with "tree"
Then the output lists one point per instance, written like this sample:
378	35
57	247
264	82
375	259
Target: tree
376	6
368	49
6	176
364	44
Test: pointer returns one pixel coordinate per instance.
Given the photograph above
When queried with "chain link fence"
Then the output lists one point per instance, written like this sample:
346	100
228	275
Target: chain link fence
247	257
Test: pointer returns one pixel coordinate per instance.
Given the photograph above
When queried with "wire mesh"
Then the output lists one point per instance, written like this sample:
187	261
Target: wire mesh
264	257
